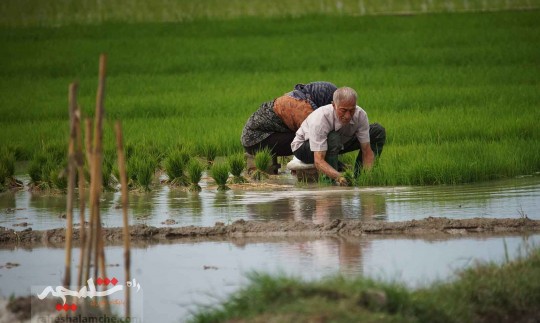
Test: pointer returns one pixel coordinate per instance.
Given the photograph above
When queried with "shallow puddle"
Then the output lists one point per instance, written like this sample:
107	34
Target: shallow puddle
176	278
511	198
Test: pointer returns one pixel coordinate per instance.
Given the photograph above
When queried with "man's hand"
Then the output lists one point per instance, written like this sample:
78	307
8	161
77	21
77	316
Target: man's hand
342	181
324	167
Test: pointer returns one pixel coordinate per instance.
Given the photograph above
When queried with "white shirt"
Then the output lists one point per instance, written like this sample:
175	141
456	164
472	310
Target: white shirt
323	120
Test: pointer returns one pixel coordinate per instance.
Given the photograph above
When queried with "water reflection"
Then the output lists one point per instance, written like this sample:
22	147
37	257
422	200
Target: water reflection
194	203
373	206
174	280
46	202
7	200
182	205
317	206
496	199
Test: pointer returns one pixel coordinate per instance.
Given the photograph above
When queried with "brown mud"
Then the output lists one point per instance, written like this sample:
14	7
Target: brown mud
242	229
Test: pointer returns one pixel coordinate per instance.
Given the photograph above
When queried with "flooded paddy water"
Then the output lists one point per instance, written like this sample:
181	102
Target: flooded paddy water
511	198
178	275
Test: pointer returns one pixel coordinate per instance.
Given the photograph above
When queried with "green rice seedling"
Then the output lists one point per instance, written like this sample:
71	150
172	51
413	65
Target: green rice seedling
116	173
263	159
349	176
175	165
430	109
145	172
220	174
209	151
141	171
195	169
107	172
237	164
42	166
348	159
7	159
35	169
324	180
7	169
108	181
58	179
131	171
3	176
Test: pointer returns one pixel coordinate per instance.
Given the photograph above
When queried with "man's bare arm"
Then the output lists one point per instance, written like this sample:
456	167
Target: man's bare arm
367	155
324	167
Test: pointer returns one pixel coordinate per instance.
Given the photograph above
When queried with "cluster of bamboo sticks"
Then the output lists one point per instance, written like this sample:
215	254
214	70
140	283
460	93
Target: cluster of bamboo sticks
91	237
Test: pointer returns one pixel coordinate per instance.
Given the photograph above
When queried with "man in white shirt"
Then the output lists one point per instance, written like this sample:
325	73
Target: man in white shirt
335	129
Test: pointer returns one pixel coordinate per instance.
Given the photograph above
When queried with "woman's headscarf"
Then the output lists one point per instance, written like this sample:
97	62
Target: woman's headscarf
317	93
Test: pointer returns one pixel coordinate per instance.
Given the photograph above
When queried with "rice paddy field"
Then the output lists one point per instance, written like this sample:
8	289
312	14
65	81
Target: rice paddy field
455	83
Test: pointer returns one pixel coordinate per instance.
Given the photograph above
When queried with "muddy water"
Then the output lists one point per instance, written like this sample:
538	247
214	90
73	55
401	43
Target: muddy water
176	278
510	198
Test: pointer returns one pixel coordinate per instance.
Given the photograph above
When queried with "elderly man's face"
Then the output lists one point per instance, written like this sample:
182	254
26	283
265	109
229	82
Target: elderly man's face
345	110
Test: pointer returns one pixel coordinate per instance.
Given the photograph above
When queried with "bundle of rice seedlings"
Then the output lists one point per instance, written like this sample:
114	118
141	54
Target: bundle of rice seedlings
263	159
349	176
58	179
195	169
209	151
141	172
237	163
107	171
220	174
175	165
7	170
3	175
42	166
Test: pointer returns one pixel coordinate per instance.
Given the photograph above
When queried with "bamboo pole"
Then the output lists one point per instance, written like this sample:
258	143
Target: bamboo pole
91	233
99	246
80	172
71	181
125	231
96	157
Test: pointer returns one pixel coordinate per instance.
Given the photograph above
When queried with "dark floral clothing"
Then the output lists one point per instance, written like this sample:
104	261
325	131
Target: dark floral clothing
262	124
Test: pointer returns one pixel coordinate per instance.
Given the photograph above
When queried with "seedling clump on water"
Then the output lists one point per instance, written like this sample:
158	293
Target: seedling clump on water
237	163
141	171
107	171
210	152
263	159
194	170
175	165
220	174
7	171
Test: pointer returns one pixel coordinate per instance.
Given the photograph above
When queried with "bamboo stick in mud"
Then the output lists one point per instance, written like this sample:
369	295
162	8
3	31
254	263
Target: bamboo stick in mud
125	231
97	152
80	173
99	245
91	233
71	181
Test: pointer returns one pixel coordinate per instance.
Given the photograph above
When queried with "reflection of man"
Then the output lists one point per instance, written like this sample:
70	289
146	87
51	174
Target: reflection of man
336	129
350	256
372	205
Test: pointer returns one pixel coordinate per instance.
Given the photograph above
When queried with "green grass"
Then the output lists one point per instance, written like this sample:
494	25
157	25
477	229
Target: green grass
509	292
456	92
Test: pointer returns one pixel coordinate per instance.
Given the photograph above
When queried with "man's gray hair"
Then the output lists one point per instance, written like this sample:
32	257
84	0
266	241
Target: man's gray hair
344	94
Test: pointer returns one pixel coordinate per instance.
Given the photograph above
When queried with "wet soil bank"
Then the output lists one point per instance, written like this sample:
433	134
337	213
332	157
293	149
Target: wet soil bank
242	228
